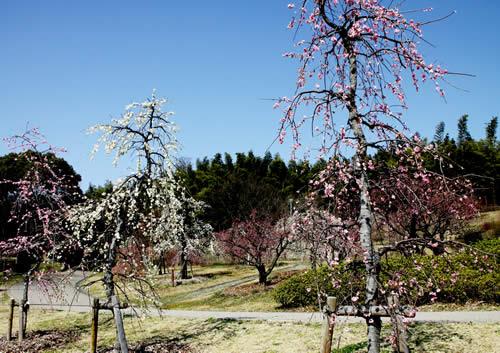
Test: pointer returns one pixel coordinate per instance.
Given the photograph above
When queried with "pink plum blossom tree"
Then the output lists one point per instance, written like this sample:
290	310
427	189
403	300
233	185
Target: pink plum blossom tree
257	241
39	200
423	211
354	60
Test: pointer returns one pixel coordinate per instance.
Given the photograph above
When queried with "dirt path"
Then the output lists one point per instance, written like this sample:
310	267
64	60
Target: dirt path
206	291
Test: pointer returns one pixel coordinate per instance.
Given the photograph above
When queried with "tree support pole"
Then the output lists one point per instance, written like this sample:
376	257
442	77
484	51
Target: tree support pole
399	327
12	304
95	326
120	330
23	318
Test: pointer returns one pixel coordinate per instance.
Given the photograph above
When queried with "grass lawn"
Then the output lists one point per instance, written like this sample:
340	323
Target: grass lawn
228	336
221	287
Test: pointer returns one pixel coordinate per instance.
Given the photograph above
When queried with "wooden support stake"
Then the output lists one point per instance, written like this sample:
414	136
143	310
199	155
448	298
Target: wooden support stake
22	320
12	304
400	328
173	277
95	326
328	324
112	307
120	330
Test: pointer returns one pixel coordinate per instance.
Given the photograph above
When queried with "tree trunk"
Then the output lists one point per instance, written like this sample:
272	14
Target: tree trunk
365	212
23	309
184	265
163	266
161	261
108	280
109	286
372	267
262	274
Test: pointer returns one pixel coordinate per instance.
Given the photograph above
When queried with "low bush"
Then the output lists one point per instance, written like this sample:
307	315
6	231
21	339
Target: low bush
463	276
491	246
312	287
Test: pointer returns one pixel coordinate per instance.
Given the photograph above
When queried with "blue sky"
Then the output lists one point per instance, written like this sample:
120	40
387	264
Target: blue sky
66	65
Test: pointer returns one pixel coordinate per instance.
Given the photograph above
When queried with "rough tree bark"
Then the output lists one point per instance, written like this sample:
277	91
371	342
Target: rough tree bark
374	324
23	319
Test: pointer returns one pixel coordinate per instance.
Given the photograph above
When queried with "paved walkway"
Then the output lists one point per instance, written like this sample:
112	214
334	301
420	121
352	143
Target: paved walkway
66	297
446	316
71	299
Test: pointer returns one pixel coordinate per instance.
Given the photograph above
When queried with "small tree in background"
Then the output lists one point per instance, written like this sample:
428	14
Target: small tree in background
38	202
323	235
353	61
257	241
195	235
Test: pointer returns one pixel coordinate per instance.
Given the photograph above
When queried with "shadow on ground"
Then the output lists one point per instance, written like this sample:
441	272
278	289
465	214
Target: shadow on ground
422	334
178	342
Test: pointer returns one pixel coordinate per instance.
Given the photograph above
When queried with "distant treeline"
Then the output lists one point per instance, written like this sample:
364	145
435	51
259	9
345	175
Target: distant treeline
479	160
232	188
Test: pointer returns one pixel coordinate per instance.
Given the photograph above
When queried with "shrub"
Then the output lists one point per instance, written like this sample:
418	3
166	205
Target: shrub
307	288
463	276
295	292
460	277
491	246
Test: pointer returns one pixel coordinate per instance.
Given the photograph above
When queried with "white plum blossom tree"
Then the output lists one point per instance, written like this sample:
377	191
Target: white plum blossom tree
143	213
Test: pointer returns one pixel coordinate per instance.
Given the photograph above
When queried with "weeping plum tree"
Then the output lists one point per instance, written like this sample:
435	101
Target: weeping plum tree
142	213
354	58
194	236
39	199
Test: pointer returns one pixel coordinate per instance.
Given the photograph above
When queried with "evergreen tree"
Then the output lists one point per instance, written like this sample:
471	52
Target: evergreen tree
232	190
463	130
439	134
491	130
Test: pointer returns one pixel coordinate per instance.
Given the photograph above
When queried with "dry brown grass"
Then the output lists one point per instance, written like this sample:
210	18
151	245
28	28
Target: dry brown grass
230	336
